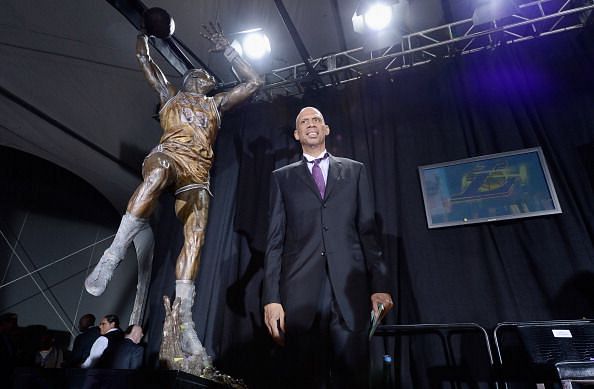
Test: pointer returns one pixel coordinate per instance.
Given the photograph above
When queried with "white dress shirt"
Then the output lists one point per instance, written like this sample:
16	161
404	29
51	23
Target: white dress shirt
97	350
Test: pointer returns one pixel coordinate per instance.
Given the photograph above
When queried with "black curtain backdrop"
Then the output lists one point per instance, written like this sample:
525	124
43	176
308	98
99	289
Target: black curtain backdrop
537	93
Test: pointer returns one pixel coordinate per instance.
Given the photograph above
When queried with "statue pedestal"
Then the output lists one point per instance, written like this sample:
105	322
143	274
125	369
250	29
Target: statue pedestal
101	378
172	357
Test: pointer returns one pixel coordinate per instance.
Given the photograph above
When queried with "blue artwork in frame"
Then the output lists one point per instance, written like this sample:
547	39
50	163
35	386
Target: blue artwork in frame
493	187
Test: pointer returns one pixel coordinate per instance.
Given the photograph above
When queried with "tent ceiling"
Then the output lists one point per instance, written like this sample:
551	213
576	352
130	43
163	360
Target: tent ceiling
71	90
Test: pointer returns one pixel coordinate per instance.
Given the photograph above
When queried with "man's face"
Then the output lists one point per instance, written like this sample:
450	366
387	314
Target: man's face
198	81
311	129
105	326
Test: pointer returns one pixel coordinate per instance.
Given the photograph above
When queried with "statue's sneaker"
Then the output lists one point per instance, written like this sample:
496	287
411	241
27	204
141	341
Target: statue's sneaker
97	281
190	344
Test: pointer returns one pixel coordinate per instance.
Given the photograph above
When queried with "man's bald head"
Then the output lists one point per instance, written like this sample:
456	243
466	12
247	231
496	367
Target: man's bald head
86	321
305	110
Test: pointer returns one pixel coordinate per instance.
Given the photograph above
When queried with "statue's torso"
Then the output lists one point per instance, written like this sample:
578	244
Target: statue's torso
190	118
190	123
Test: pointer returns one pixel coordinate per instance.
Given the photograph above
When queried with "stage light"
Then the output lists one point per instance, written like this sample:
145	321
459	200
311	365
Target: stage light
255	45
487	11
373	16
378	16
380	22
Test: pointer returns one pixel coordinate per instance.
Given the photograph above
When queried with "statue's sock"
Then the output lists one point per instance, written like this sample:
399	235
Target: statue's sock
129	227
185	290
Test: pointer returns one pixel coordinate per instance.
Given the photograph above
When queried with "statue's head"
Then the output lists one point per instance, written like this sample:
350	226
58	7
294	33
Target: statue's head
198	81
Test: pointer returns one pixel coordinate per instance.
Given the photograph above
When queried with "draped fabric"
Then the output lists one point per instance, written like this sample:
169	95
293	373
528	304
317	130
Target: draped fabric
536	93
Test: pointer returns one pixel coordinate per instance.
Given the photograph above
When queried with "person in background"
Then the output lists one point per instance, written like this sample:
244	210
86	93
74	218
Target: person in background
48	355
83	342
126	353
109	327
8	348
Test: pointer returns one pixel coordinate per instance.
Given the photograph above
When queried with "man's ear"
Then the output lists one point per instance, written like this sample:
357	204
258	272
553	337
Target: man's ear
327	129
296	135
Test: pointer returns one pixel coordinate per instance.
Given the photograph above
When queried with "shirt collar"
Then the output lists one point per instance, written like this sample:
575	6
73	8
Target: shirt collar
310	158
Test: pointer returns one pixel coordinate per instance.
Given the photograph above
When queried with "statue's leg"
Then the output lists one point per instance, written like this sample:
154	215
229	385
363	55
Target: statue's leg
97	281
157	176
192	209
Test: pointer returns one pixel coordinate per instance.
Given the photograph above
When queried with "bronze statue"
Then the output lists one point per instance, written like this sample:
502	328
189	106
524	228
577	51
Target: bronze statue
181	161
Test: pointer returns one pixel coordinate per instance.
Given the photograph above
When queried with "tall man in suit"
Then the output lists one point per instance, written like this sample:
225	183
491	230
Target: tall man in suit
324	269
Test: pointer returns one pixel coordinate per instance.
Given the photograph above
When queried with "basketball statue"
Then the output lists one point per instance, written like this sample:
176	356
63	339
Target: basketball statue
180	163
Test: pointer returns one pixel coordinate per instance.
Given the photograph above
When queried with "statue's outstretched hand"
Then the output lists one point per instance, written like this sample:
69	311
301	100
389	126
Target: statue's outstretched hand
214	33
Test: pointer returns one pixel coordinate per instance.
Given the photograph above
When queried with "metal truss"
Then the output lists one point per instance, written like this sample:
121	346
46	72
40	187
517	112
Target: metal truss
532	20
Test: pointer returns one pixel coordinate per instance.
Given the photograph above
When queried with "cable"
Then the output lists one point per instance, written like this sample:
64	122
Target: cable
17	239
82	286
37	284
51	263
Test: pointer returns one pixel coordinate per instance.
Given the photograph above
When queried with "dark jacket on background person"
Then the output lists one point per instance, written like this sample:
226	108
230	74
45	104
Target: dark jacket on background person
121	354
82	346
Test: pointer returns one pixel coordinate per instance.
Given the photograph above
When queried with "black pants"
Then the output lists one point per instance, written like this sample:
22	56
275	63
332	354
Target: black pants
328	355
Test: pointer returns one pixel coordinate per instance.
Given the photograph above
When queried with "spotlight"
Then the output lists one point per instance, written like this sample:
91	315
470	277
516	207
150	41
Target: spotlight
255	45
373	16
380	22
378	16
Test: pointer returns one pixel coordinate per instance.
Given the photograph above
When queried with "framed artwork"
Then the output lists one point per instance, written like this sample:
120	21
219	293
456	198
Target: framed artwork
503	186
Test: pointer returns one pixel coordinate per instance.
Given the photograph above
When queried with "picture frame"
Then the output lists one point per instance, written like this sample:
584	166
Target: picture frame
488	188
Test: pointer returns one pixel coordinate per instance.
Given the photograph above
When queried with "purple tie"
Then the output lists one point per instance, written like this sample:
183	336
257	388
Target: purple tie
316	172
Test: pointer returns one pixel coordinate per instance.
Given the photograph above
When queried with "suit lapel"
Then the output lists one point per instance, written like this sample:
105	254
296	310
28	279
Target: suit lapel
304	174
334	175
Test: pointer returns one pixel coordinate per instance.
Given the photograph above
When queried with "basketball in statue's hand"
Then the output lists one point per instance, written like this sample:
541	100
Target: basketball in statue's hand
157	22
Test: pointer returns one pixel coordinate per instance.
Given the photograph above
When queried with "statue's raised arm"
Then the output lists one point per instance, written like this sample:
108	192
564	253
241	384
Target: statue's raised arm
151	71
251	81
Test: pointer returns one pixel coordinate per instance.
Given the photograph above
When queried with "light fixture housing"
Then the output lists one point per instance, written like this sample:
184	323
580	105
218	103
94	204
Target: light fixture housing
380	22
255	45
378	16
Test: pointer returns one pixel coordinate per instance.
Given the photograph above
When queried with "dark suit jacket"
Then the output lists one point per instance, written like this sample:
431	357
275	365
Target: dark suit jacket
82	346
121	354
306	232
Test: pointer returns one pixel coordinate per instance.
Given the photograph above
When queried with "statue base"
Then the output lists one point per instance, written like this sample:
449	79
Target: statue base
172	357
70	378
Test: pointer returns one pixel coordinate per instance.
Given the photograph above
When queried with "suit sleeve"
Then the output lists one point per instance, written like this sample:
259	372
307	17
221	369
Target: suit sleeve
275	243
136	357
76	356
368	234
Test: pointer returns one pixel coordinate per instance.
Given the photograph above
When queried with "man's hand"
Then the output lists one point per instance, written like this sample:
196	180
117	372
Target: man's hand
214	34
274	317
381	298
